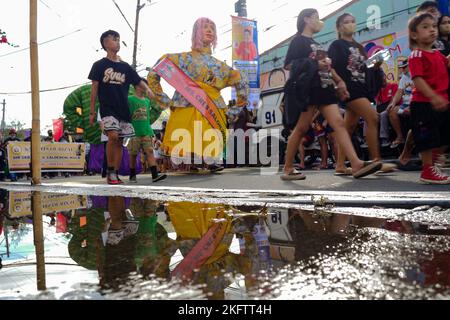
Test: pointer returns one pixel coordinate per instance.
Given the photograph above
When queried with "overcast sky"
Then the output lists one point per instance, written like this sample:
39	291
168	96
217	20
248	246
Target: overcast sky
75	27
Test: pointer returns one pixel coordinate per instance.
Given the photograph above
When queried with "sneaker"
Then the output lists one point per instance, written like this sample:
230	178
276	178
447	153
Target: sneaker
432	175
120	181
439	159
113	179
133	179
160	177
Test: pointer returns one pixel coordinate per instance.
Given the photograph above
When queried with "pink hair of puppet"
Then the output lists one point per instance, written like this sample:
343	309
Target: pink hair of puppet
197	33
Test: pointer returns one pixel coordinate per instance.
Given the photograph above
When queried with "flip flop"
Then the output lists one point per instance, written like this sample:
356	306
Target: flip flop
368	169
347	172
293	176
387	168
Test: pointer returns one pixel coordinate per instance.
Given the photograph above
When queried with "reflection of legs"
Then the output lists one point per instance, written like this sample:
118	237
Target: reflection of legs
339	223
350	122
116	208
363	108
296	138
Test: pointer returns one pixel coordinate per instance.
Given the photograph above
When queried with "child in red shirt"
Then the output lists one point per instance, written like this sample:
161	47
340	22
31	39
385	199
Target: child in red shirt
429	71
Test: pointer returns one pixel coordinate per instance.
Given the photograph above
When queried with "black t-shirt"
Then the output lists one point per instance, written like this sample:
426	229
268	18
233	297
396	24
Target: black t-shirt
242	121
348	61
114	80
303	47
443	46
350	64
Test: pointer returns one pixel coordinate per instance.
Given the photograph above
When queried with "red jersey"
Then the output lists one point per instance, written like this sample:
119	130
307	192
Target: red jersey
387	93
433	68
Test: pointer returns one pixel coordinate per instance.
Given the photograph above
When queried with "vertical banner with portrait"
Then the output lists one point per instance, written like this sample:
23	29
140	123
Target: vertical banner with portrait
246	55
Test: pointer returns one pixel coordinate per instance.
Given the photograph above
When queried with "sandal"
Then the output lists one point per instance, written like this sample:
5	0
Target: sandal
387	168
215	168
346	172
293	176
368	169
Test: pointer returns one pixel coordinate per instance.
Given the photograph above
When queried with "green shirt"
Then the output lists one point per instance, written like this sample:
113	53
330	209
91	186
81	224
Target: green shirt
140	116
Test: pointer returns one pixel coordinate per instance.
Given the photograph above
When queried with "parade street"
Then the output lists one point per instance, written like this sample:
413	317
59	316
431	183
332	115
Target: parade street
259	184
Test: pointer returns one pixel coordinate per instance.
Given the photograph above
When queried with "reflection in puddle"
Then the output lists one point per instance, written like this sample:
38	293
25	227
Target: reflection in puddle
131	248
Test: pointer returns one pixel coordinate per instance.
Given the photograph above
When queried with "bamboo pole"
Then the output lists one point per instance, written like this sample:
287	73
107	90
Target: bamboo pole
36	151
38	231
36	129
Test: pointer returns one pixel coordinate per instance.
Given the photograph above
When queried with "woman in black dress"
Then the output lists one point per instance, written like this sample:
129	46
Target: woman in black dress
306	59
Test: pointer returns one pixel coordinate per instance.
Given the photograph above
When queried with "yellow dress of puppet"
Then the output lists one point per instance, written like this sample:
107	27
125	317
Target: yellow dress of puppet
212	75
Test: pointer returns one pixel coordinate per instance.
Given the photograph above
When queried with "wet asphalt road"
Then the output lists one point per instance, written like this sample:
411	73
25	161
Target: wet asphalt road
265	180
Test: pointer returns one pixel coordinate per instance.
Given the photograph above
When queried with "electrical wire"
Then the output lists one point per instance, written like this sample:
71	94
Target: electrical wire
42	43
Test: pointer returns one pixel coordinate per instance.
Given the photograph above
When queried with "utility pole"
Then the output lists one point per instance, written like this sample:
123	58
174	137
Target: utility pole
3	126
139	7
240	8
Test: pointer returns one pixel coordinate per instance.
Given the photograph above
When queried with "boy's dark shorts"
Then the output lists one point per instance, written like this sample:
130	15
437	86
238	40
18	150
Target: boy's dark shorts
431	129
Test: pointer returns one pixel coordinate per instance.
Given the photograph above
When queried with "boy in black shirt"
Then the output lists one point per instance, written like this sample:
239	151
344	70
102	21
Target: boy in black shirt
111	79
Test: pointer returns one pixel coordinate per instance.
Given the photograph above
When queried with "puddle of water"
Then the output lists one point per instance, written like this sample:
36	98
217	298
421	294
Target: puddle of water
131	248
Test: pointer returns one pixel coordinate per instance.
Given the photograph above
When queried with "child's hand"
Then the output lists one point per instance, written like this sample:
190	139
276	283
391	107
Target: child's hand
342	91
439	103
92	118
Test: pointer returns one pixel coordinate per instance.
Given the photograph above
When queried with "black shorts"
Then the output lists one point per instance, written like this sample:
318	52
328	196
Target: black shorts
357	91
431	129
323	97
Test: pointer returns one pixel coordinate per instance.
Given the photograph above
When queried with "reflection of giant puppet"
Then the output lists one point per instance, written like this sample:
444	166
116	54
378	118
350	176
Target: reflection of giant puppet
204	236
211	75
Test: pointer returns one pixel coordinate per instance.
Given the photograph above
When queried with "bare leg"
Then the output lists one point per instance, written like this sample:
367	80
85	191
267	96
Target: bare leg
395	122
406	155
350	121
301	152
332	115
151	158
114	150
296	137
323	152
363	108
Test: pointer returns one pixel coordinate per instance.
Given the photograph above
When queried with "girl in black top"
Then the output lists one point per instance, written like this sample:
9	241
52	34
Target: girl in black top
325	85
444	34
349	60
